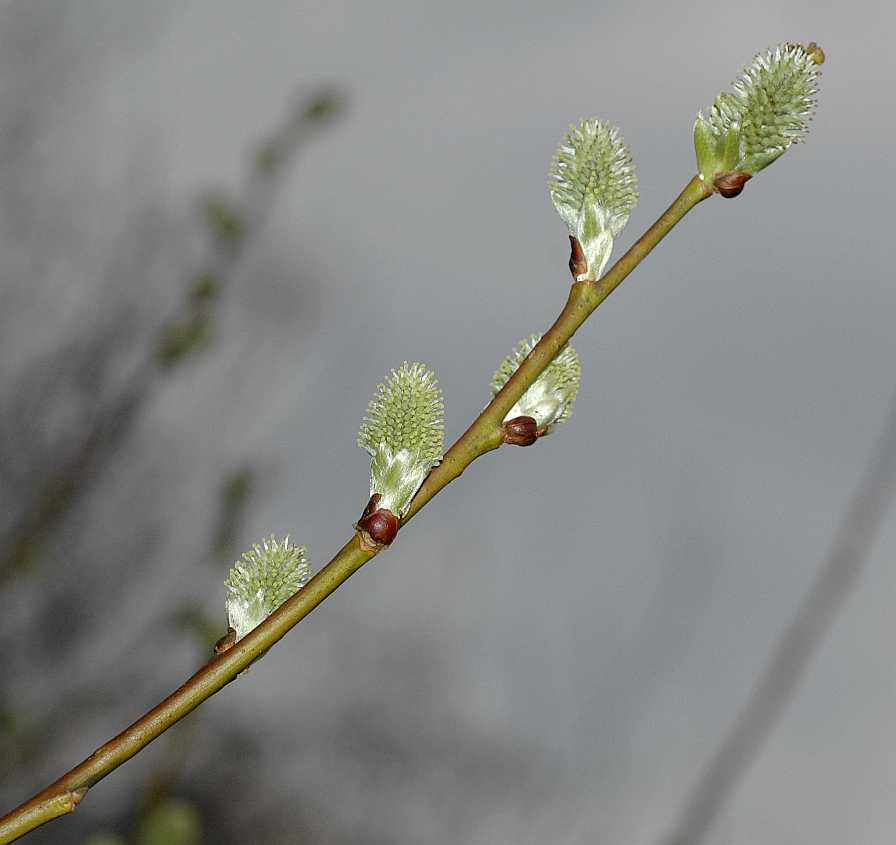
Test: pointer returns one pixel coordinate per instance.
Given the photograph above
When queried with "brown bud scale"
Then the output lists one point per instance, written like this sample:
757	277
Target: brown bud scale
730	184
377	527
520	431
578	264
226	642
371	505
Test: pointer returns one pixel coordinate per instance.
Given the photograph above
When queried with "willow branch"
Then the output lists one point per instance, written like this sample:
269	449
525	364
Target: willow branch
481	437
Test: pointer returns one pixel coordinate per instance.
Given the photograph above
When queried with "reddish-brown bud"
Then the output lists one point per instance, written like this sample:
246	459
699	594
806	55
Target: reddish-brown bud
730	184
377	527
578	264
226	642
520	431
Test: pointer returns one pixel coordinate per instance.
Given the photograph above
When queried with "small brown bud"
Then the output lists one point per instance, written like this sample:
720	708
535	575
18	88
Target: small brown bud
377	527
578	264
730	184
226	642
520	431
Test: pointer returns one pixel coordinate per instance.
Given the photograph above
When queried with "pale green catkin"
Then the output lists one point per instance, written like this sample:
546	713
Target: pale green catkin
594	189
265	577
550	399
403	432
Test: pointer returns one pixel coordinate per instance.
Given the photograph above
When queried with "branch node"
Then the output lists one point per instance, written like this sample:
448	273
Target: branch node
377	527
226	642
520	431
730	184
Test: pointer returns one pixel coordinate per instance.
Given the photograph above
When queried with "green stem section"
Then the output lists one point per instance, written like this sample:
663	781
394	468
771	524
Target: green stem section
482	436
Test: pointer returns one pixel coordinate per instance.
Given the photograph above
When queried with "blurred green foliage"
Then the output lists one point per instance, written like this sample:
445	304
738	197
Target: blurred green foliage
170	822
235	493
225	220
183	338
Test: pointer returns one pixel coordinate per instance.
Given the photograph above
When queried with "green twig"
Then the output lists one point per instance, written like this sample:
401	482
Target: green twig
481	437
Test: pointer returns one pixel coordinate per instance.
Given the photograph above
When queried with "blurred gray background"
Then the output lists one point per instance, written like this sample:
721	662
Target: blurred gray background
732	390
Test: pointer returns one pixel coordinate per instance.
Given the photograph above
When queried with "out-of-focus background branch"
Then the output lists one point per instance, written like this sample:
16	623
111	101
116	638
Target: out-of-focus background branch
48	470
203	273
801	638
